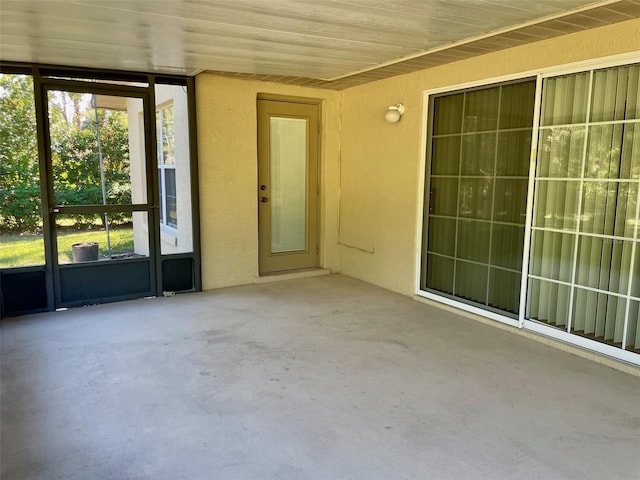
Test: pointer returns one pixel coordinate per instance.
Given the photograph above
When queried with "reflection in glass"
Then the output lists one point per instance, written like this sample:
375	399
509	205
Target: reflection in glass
603	152
476	195
479	154
560	152
510	200
609	208
611	150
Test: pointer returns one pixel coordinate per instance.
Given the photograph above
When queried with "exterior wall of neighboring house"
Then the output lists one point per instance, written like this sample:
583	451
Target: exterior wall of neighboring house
380	178
227	150
173	240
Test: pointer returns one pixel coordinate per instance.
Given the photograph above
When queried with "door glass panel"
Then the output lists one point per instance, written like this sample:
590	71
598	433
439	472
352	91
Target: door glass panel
288	173
21	238
560	152
504	289
564	99
477	194
594	198
92	238
551	254
548	302
555	203
598	316
633	328
616	94
96	158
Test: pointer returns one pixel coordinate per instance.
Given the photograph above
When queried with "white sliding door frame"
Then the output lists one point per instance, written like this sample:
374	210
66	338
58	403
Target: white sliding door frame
521	321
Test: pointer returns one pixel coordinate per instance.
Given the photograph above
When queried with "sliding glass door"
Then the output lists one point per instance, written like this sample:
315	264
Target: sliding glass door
582	270
480	150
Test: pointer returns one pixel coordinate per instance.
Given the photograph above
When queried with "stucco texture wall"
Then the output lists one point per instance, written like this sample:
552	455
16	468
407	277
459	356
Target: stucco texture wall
381	163
227	162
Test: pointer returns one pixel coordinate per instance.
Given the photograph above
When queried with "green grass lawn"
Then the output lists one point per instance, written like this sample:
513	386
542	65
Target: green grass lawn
25	250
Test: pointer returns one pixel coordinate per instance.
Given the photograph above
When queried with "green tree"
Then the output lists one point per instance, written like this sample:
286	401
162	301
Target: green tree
19	181
74	152
76	162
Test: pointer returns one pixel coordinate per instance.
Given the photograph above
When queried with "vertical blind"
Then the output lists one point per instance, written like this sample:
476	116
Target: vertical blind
584	263
480	150
584	273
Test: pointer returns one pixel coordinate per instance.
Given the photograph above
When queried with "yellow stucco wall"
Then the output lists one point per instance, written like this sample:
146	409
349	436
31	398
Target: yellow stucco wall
369	170
227	152
380	163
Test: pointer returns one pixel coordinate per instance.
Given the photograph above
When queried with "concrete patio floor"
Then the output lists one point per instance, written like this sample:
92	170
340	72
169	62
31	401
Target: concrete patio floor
321	378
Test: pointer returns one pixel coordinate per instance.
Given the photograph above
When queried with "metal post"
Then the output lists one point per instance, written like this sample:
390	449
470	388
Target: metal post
102	182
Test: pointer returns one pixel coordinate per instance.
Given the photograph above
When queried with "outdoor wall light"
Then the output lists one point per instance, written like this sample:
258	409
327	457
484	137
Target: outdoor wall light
393	113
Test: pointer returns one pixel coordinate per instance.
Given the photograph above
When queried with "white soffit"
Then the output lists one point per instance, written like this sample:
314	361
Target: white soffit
299	41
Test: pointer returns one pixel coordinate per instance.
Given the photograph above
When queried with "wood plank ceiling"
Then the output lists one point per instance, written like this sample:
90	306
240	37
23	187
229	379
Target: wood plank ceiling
325	43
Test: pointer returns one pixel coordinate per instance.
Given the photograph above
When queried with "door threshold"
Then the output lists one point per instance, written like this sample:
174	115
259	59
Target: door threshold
292	274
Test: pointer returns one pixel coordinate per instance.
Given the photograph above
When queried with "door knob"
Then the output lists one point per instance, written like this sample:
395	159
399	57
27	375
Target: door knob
264	199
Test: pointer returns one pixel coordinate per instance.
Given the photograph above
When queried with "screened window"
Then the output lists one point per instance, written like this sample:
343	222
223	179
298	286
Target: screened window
480	150
21	238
